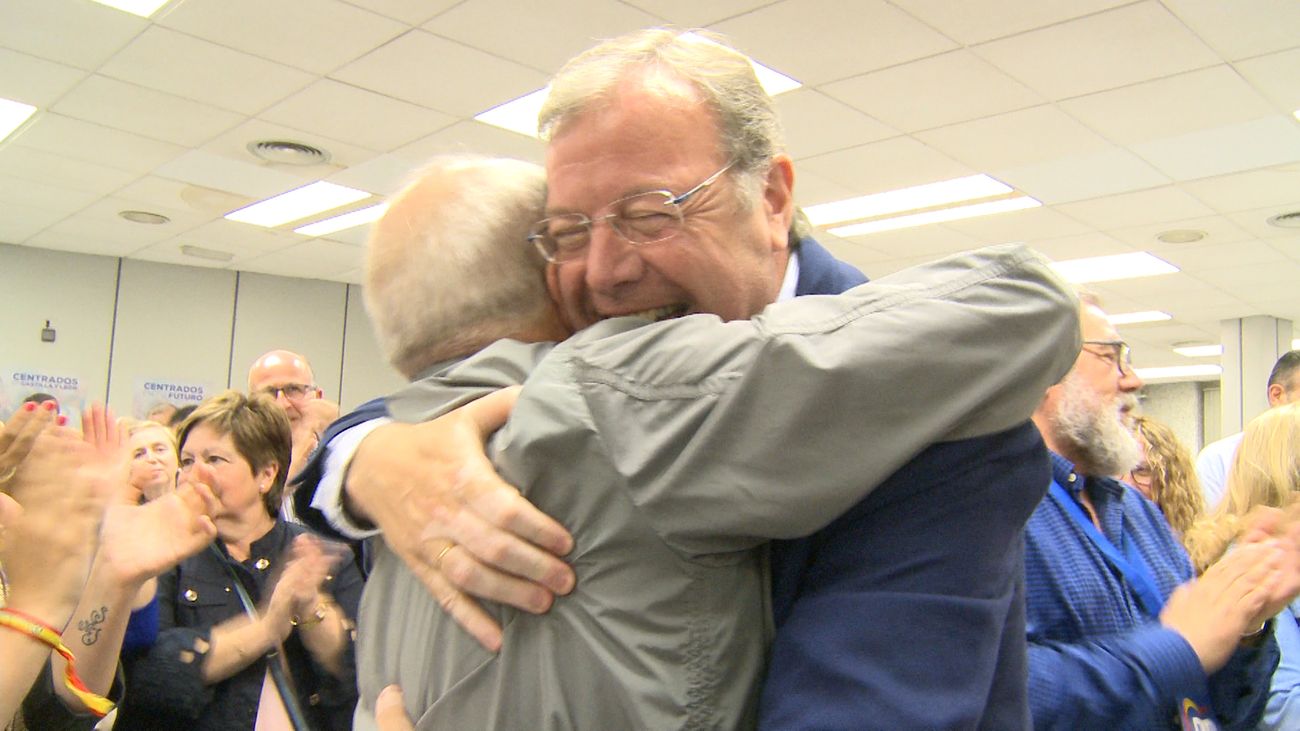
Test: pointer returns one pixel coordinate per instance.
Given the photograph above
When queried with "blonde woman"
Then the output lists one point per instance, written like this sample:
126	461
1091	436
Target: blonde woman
154	459
1265	473
1166	475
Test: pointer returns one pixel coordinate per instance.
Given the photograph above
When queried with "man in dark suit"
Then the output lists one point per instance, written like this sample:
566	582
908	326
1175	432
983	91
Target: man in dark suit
906	612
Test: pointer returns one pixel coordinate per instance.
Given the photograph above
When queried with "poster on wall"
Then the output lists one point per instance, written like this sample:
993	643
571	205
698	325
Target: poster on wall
157	398
29	384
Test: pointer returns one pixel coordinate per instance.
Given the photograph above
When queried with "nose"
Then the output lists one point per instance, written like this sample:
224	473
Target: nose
1130	381
613	264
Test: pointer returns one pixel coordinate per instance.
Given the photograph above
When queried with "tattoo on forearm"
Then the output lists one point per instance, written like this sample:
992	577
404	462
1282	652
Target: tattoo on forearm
90	628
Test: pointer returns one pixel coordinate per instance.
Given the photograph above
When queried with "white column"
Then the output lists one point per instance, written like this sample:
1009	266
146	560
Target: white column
1251	345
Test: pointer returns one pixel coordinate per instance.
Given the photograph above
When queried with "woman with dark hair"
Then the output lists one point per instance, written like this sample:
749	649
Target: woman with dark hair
258	629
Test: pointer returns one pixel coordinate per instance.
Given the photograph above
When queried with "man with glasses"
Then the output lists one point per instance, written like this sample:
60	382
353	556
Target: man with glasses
287	377
1119	635
669	194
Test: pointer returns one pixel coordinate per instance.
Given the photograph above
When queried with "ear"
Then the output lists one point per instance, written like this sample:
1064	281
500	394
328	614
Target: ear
1276	394
266	477
778	200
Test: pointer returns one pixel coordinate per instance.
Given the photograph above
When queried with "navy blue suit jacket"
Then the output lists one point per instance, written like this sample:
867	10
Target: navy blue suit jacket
908	612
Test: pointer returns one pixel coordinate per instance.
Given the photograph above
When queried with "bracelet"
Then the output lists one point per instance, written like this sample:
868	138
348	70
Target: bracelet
316	617
38	630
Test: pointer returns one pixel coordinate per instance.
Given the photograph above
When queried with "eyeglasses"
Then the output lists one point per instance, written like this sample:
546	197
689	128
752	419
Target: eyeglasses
643	218
1141	475
291	391
1117	353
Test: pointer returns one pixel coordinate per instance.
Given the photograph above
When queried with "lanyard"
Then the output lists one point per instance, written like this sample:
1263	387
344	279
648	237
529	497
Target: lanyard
1129	563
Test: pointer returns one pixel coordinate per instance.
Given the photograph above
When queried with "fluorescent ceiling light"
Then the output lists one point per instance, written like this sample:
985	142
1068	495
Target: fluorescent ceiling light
359	217
1200	351
297	204
142	8
1132	318
520	115
917	197
517	115
12	116
1296	114
1295	344
1176	372
944	214
1117	266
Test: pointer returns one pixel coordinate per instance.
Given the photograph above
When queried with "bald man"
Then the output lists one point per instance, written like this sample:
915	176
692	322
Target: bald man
287	377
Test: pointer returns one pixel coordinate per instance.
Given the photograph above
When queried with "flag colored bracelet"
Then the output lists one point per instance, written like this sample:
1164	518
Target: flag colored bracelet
29	625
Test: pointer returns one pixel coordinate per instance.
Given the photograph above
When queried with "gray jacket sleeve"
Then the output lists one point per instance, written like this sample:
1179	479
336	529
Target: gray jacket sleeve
728	434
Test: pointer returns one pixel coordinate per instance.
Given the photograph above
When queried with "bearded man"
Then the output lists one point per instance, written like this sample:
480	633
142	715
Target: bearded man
1119	635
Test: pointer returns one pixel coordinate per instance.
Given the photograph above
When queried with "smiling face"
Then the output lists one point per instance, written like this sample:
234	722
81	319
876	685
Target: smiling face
654	134
153	462
234	482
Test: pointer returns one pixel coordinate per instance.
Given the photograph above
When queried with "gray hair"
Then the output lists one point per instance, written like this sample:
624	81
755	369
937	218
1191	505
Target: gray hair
749	131
449	269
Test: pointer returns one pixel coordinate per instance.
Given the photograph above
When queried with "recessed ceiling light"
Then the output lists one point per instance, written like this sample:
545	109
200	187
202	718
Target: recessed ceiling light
943	214
353	219
973	187
1199	351
1295	344
288	152
12	116
520	114
1133	318
198	252
1166	373
1116	266
142	8
153	219
297	204
1296	114
1181	236
1290	219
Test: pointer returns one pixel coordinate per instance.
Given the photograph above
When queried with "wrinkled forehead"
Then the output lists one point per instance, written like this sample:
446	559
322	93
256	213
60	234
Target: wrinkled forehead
1095	325
278	371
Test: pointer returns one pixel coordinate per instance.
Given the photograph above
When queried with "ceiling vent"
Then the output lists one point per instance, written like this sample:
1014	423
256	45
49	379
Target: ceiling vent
147	217
288	152
1285	220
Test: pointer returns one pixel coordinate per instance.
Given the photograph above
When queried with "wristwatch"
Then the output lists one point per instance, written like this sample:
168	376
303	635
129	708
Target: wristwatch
316	617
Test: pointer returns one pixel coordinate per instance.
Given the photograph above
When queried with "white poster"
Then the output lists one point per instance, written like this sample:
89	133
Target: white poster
22	384
154	398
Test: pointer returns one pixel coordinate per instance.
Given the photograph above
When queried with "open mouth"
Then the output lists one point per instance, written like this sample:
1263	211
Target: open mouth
656	314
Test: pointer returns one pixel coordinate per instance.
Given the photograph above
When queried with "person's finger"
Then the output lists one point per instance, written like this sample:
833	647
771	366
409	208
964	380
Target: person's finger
390	711
505	551
462	609
21	434
467	574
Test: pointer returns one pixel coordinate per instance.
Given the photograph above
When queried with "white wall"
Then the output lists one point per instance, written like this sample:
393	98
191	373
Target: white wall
121	320
1178	405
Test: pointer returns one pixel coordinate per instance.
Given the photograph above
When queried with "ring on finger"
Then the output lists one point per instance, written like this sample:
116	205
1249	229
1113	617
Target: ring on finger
437	561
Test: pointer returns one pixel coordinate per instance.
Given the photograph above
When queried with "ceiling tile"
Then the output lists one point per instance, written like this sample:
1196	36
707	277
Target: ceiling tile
805	38
1288	245
204	72
1024	225
33	80
234	144
442	83
476	138
944	89
1062	248
1243	28
1080	177
180	200
240	239
411	12
1196	258
313	259
383	175
1277	76
694	14
1014	139
18	223
1167	203
540	35
57	134
49	198
811	188
1218	230
169	252
344	112
928	241
316	35
1152	110
43	167
1276	276
85	236
1249	190
815	124
1107	50
1256	223
146	112
976	21
72	32
890	164
355	236
1228	149
233	176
